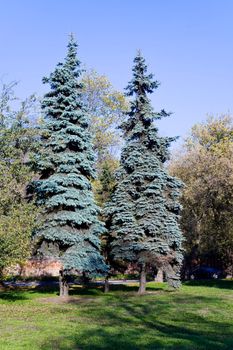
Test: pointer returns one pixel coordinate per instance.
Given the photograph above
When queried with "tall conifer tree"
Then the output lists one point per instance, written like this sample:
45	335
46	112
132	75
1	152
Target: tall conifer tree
71	227
143	213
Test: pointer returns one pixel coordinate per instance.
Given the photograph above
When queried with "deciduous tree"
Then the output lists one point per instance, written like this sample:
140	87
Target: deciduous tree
205	164
106	107
17	214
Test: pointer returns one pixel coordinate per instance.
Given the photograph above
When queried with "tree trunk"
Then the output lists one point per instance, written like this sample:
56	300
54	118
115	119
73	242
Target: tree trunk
21	270
63	284
142	282
85	279
1	280
106	285
159	276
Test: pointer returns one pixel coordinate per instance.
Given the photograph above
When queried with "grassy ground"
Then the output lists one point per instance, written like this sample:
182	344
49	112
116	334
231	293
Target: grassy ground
199	316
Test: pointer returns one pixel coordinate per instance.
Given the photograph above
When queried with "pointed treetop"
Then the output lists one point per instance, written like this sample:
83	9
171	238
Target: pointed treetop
72	44
139	52
71	65
71	57
141	82
72	36
141	113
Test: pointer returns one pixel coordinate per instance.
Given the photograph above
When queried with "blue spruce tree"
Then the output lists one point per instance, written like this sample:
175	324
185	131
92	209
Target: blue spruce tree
71	227
143	213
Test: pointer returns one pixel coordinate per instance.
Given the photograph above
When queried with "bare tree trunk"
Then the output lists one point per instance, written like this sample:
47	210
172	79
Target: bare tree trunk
142	282
106	285
65	289
159	276
63	284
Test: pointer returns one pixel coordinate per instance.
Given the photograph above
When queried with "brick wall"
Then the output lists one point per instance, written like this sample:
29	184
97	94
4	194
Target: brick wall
36	268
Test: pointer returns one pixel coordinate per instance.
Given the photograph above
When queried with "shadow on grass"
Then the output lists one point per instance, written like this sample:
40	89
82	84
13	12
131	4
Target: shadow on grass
145	326
223	284
131	288
95	289
92	289
11	296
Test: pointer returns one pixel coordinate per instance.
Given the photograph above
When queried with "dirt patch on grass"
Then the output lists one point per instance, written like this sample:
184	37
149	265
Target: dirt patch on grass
203	312
65	300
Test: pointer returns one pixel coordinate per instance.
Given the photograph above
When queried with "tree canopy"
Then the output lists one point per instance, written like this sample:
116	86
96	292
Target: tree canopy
106	106
205	164
17	214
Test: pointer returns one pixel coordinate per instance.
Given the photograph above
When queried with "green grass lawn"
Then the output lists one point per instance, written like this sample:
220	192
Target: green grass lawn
198	316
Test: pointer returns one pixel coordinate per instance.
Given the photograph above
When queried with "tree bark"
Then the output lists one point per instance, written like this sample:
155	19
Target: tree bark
63	284
159	276
106	285
142	281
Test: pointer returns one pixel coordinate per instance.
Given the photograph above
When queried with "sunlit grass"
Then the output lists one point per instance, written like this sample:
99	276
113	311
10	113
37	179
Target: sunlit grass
199	316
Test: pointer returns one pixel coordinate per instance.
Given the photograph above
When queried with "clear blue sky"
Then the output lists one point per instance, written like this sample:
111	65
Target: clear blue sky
188	45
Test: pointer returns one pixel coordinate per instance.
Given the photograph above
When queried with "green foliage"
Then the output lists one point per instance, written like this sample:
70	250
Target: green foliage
144	209
17	215
66	164
105	183
205	164
106	107
15	234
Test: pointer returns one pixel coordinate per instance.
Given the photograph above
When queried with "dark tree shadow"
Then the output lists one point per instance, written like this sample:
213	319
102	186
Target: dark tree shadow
223	284
12	296
92	289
